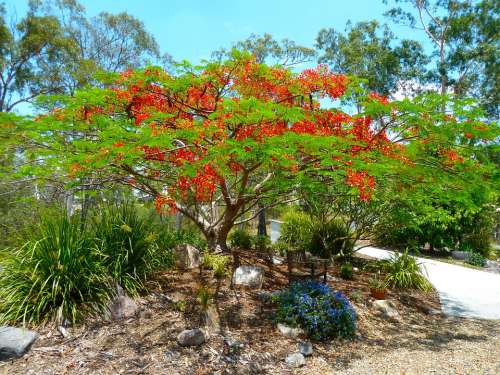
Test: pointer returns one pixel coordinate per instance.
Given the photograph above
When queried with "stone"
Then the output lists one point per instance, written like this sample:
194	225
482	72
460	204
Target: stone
233	346
386	309
290	331
249	276
186	256
14	342
191	337
460	255
295	360
278	260
305	348
122	307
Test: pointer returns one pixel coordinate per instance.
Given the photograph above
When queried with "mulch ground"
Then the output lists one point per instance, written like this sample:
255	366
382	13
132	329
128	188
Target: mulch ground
147	343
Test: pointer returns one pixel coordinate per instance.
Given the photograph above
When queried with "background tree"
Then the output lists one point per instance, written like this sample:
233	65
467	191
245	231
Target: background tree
368	50
56	48
464	36
268	50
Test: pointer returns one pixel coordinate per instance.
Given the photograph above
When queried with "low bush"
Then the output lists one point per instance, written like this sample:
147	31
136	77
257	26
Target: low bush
128	245
346	271
403	271
56	275
219	264
240	239
314	307
476	259
331	238
296	231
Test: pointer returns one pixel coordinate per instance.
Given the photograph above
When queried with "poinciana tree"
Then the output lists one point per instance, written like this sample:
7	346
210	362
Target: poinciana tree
219	140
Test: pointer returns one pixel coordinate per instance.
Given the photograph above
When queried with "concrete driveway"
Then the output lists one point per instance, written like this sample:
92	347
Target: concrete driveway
463	291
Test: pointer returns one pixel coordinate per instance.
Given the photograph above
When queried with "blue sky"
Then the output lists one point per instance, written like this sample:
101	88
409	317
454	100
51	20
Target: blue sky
193	29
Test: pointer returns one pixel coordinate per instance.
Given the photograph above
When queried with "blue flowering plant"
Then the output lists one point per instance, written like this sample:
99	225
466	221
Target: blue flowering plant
318	310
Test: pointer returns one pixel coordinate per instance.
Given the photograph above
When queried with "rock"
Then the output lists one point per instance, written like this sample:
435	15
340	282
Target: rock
14	342
386	309
122	307
265	296
290	331
295	360
305	348
278	260
249	276
191	337
460	255
233	346
187	256
355	269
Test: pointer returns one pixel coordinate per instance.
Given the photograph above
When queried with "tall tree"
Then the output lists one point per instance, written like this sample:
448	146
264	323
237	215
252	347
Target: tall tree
216	140
56	48
369	50
268	50
465	36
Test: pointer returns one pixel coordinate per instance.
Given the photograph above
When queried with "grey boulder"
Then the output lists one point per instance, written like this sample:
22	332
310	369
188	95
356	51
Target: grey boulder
386	309
122	307
291	332
191	337
14	342
295	360
249	276
186	257
305	348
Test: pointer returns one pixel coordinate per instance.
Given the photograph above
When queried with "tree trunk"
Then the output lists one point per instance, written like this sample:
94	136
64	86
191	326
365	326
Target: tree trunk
262	230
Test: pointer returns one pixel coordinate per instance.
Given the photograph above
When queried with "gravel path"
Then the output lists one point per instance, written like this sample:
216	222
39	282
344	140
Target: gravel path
463	292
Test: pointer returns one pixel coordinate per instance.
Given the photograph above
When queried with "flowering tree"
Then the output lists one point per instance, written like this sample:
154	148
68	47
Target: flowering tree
219	140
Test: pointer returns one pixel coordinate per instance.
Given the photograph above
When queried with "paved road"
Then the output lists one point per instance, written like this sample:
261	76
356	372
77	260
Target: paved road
463	291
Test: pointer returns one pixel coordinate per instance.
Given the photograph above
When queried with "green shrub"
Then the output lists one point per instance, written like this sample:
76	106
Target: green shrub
261	243
241	239
314	307
403	271
56	275
331	238
217	263
346	271
128	245
476	259
296	231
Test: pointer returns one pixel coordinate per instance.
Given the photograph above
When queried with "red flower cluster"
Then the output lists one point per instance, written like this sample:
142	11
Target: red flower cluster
363	182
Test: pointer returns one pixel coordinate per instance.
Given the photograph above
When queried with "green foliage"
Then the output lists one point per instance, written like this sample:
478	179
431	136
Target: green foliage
476	259
217	263
296	231
261	243
128	245
346	271
240	239
377	283
331	238
367	50
403	271
56	275
204	297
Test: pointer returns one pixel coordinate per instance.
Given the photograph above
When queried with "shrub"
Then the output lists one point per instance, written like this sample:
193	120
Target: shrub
331	238
295	231
476	259
217	263
128	245
261	243
56	275
346	271
403	271
318	310
241	239
204	297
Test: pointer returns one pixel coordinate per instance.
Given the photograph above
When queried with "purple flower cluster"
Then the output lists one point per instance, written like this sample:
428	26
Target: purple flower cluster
314	307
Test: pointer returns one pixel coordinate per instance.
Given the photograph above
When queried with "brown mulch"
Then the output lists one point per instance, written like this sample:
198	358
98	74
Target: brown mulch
147	344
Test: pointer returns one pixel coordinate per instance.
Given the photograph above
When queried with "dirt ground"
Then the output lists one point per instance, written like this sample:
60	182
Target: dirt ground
419	343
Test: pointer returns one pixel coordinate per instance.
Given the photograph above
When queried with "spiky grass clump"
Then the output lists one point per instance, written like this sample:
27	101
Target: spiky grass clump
56	275
403	271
